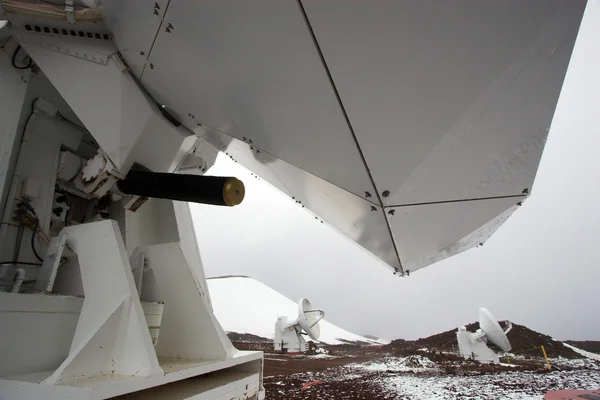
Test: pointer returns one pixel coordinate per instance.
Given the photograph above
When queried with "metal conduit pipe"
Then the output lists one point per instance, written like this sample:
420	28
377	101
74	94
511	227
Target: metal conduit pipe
19	278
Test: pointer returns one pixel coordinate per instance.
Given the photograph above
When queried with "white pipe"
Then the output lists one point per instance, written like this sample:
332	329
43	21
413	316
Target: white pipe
19	278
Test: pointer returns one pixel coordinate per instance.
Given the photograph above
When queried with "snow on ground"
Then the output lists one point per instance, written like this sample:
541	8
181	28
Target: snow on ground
587	354
244	305
505	385
417	377
394	379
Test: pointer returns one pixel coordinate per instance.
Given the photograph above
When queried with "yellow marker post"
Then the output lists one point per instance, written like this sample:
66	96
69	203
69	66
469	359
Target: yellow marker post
508	360
546	357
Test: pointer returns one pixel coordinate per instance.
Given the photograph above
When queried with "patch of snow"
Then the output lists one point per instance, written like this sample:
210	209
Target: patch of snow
321	356
411	363
244	305
584	353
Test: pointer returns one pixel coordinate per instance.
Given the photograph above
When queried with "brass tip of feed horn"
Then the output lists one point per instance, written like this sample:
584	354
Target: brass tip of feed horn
233	192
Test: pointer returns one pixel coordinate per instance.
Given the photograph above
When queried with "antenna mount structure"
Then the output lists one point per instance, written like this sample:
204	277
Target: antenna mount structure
474	345
289	335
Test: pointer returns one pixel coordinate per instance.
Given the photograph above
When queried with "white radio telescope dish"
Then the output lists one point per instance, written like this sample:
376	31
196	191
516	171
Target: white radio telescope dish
288	335
309	318
474	345
493	330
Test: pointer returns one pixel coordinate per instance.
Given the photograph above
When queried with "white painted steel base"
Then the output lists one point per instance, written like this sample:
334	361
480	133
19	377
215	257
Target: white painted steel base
89	329
474	346
288	339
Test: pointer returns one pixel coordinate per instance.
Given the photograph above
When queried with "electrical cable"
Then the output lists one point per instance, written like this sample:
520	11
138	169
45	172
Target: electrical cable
14	59
35	253
63	4
19	263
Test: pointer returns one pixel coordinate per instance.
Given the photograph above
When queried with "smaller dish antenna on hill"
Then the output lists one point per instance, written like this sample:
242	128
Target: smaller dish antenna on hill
475	345
288	335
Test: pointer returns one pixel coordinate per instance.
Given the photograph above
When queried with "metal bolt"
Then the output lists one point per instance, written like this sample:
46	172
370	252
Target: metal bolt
392	212
385	193
142	53
151	66
367	194
373	208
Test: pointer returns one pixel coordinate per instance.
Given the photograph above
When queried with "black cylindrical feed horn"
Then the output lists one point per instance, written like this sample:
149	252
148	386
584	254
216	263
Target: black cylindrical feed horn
215	190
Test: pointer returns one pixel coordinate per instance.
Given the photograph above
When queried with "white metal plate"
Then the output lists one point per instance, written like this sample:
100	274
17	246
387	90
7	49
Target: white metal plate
356	218
134	24
42	324
449	100
251	70
430	233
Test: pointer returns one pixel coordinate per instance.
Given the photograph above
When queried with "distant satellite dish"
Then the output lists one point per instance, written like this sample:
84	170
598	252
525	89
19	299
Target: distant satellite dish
288	335
474	345
308	318
493	330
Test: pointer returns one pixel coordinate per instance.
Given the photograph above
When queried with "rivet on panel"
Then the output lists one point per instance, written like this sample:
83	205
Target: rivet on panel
367	194
385	193
373	208
392	212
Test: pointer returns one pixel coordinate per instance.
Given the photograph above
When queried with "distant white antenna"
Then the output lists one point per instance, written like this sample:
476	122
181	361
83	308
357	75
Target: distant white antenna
474	345
288	335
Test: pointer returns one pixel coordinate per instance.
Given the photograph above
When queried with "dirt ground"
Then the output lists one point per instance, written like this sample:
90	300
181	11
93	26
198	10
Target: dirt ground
276	364
415	370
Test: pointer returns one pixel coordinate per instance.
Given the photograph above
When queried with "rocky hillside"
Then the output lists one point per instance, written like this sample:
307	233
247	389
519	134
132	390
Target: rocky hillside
593	346
524	342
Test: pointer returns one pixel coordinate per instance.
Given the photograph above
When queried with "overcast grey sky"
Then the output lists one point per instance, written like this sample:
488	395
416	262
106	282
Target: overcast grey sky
540	269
